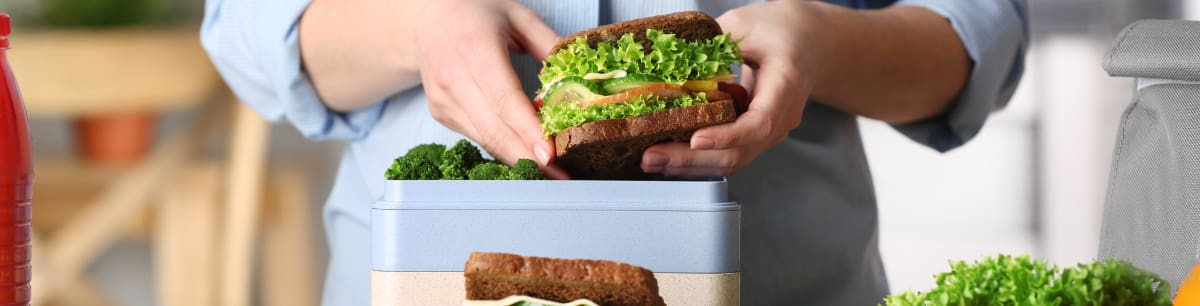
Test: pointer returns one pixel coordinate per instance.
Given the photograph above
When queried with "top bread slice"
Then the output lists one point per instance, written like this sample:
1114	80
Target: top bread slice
612	149
495	276
691	25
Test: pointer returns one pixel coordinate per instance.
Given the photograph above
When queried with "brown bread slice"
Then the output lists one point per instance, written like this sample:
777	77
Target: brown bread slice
494	276
612	149
693	25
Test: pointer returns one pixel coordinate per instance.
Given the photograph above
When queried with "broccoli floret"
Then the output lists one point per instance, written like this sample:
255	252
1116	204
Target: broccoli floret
431	151
526	170
459	159
393	172
413	168
488	171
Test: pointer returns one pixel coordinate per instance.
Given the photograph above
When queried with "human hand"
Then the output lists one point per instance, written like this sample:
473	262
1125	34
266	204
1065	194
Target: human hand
469	79
781	53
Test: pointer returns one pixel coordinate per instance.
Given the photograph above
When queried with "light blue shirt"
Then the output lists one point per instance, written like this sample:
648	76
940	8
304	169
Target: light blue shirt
810	228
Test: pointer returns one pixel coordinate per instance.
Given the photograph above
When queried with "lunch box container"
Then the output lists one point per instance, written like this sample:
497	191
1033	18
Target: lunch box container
687	232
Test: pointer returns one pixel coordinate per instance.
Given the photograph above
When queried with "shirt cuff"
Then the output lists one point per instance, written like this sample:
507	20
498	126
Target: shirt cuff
255	46
996	35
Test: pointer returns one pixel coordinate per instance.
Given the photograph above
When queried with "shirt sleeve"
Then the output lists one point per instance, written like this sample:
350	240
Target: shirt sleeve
996	35
255	47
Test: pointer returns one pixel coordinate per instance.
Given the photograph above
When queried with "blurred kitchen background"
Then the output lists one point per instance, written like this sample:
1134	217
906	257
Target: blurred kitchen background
173	205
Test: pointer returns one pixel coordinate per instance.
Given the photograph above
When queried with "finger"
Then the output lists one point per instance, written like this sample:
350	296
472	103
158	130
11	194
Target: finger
734	22
490	132
552	170
493	133
445	110
497	84
460	122
675	158
555	172
768	116
747	80
532	33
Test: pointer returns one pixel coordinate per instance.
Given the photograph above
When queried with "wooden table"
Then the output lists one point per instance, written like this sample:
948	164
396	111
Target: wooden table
86	72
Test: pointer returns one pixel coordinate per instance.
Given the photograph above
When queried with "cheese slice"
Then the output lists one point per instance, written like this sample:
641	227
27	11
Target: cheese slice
620	73
521	298
615	74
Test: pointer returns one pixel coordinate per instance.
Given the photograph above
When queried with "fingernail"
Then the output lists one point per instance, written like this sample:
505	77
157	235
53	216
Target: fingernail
654	159
702	143
542	155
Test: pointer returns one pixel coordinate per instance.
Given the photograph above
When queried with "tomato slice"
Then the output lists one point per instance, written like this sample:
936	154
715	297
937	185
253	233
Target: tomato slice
741	98
537	104
716	95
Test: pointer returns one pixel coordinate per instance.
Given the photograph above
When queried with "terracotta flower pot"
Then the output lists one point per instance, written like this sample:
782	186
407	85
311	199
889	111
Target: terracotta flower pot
114	139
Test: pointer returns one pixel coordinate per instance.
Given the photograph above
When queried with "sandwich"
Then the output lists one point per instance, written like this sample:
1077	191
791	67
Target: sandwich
500	279
610	92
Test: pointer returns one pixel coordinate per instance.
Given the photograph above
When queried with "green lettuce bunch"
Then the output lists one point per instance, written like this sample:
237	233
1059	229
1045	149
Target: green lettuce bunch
558	117
1020	281
671	58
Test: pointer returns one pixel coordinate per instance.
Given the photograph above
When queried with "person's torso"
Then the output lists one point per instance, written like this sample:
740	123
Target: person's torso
809	222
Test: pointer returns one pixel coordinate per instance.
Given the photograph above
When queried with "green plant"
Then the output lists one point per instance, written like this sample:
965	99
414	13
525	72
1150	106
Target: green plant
670	57
526	170
1020	281
413	168
489	171
459	159
103	13
462	161
430	151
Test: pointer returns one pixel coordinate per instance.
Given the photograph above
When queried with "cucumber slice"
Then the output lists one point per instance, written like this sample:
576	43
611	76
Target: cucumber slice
572	89
619	85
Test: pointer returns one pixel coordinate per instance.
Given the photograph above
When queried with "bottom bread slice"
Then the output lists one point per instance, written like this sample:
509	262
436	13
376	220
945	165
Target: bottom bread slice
494	276
612	149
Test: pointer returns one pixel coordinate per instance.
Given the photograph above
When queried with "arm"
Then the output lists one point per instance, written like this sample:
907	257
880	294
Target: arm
359	52
934	70
899	65
255	47
337	36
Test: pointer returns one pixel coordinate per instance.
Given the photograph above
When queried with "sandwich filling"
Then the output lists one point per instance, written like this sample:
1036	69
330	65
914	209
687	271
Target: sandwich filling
582	84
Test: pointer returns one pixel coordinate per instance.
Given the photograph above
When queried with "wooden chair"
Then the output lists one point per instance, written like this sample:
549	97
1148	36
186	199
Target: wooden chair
206	216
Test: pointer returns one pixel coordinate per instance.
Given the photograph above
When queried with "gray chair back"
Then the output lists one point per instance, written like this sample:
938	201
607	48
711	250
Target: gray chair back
1152	210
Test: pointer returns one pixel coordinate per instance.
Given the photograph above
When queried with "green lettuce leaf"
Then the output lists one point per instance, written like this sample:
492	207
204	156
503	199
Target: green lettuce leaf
1009	280
558	117
671	58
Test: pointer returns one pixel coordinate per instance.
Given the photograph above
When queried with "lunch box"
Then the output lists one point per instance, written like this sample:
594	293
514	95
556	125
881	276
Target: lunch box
687	232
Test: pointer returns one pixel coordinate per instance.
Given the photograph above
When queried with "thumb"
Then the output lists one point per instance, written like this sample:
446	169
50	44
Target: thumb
532	34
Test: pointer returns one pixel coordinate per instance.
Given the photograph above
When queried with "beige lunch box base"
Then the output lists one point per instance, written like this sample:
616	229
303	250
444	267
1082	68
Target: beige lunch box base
446	288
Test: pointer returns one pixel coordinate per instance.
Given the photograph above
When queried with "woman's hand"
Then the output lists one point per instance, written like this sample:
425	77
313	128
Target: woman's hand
900	64
459	50
470	82
782	55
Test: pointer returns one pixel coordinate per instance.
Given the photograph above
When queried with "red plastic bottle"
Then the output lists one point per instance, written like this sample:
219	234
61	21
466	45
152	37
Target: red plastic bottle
16	182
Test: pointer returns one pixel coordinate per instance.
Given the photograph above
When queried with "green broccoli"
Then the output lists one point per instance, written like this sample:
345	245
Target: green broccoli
413	168
431	151
459	159
462	161
526	170
489	171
